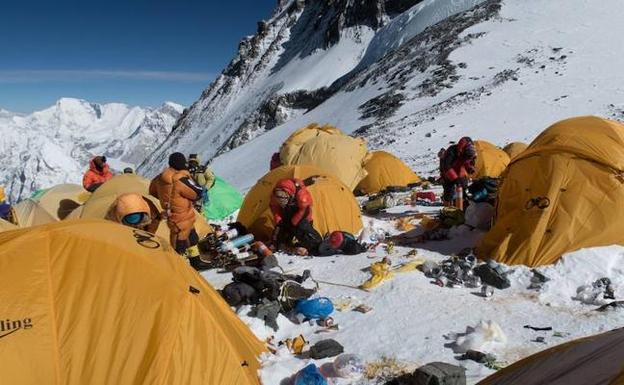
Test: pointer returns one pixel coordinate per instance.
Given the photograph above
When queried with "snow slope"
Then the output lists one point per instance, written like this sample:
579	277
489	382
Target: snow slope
54	145
503	77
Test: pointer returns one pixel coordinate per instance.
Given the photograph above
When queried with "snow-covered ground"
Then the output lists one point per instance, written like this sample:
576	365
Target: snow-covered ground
413	321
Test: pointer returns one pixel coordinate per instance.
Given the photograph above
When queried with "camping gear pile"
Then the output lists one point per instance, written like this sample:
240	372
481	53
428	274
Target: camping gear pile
465	271
233	246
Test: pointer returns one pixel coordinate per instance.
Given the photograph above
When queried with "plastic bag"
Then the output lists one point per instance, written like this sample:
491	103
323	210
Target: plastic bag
310	375
349	366
316	308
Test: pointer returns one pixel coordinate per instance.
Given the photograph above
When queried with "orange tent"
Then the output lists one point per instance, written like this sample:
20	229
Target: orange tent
334	206
95	302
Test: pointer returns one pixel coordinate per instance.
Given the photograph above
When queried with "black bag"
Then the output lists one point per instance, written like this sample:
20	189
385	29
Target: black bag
325	348
239	293
439	373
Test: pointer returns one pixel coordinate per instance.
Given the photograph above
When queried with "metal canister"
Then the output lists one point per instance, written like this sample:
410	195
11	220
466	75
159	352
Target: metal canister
487	291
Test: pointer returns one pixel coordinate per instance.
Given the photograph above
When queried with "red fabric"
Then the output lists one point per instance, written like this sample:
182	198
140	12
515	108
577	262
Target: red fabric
426	195
95	176
275	161
303	200
335	239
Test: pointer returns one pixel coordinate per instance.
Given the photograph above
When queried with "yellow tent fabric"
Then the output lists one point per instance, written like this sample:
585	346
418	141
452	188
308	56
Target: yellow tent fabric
591	360
330	150
7	226
334	206
385	170
491	160
514	149
563	193
101	200
62	199
29	213
95	302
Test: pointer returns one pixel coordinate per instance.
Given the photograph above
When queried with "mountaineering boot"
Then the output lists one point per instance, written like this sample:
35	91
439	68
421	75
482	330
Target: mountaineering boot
192	253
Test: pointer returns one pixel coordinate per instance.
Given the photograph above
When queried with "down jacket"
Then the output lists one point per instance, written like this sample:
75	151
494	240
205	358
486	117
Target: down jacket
300	205
93	178
176	192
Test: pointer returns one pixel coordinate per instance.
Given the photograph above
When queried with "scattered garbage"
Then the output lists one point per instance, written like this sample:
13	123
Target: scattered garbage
326	348
316	308
540	340
454	272
268	312
538	329
487	291
362	308
349	366
294	345
611	305
537	280
596	293
483	337
492	274
487	359
380	272
310	375
439	373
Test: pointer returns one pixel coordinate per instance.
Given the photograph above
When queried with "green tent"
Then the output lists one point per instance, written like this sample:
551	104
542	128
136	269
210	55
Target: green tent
37	194
224	200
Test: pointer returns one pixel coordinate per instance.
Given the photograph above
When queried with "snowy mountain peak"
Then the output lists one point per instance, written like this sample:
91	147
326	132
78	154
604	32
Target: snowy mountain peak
284	70
54	145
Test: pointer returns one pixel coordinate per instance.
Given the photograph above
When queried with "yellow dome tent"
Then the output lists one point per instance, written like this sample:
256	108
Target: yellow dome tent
7	226
491	160
385	170
99	203
95	302
328	149
29	213
591	360
563	193
61	199
334	206
515	148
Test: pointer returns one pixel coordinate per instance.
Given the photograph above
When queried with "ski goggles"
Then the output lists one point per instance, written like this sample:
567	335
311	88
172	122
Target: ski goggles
134	219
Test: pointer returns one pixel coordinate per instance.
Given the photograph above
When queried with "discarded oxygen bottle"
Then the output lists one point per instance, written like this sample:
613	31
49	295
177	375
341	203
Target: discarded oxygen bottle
459	197
228	234
236	242
261	249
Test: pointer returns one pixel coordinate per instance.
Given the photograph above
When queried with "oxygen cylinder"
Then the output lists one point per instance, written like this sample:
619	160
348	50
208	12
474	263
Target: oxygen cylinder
236	242
459	197
229	234
261	249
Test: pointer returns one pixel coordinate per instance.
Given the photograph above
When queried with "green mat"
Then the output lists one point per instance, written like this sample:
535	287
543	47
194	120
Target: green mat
224	200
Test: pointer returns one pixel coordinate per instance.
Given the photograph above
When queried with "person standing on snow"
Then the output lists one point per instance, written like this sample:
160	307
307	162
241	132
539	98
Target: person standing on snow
177	192
97	174
291	205
456	163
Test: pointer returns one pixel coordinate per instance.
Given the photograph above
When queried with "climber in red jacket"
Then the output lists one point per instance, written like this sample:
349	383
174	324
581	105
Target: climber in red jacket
98	173
456	163
291	204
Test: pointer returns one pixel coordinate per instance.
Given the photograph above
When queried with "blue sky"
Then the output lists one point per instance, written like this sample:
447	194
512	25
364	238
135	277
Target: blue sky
140	52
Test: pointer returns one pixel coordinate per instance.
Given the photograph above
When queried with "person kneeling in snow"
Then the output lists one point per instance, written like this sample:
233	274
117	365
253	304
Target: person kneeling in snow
340	242
133	210
291	205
